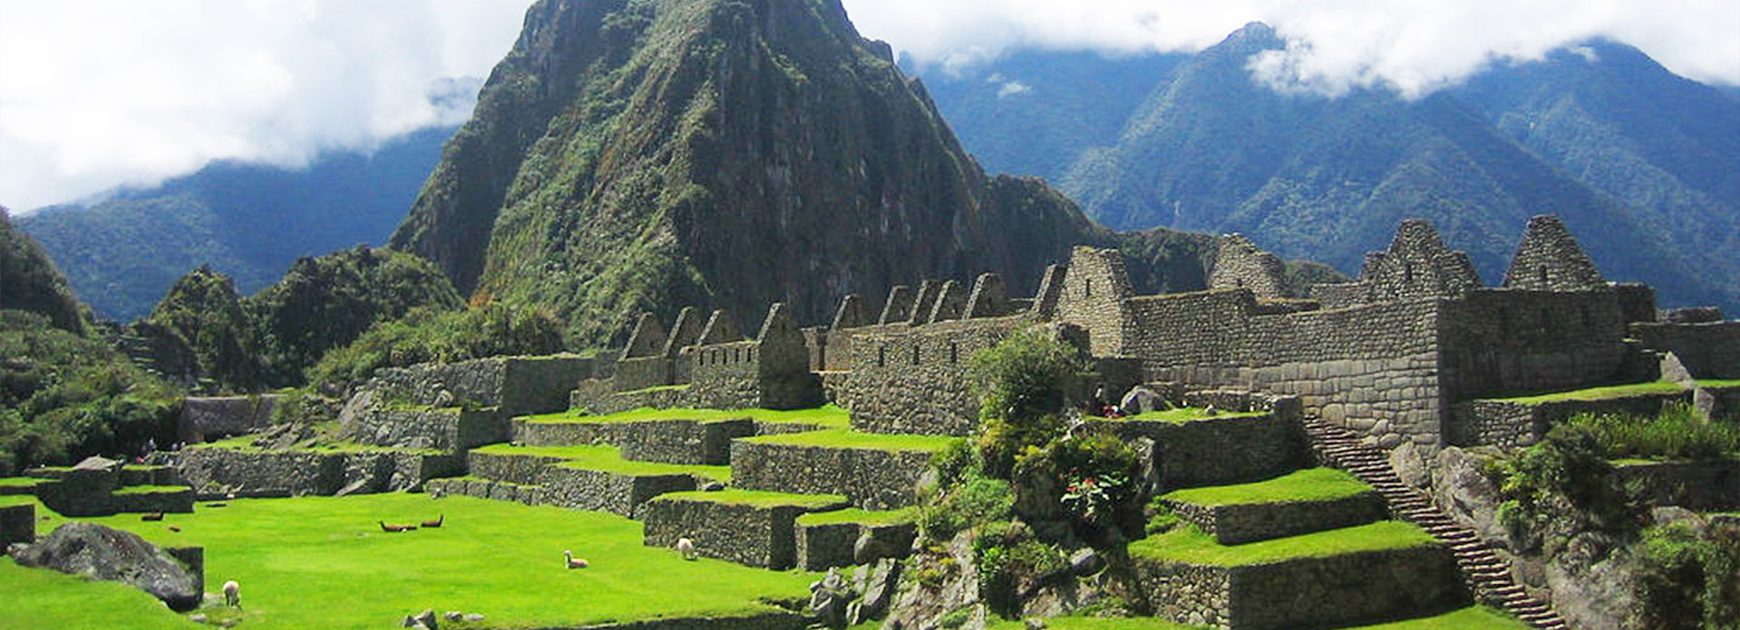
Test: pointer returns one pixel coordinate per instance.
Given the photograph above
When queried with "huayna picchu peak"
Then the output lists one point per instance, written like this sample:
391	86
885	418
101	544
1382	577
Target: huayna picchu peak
639	155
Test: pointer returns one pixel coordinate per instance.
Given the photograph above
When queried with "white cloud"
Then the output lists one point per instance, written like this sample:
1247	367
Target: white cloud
1412	46
96	93
1013	88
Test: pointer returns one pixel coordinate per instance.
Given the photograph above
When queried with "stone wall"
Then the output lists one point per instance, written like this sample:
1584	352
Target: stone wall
177	501
1549	259
204	419
914	379
487	489
144	475
682	441
1239	264
1499	340
1092	294
826	545
302	473
445	428
872	479
1342	590
1709	350
81	492
1501	423
748	535
17	525
1708	486
516	385
1250	522
774	620
1215	451
620	494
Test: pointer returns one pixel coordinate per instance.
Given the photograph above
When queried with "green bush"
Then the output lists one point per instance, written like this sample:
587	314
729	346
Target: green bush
1564	483
976	501
64	396
1008	559
1089	475
1687	581
440	335
1678	432
1021	384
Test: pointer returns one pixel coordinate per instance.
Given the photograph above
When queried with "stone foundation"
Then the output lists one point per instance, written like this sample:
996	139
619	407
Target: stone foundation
624	495
1251	522
302	473
176	501
682	441
872	479
445	428
1344	590
1511	424
17	525
757	536
1215	451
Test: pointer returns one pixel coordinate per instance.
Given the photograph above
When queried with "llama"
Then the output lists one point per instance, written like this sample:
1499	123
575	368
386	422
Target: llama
435	523
573	562
396	528
687	548
232	594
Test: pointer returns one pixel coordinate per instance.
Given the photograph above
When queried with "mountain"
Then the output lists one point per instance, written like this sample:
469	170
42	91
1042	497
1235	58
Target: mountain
249	220
641	155
29	281
1634	159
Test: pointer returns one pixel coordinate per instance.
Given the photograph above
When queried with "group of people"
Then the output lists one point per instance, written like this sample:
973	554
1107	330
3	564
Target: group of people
1098	406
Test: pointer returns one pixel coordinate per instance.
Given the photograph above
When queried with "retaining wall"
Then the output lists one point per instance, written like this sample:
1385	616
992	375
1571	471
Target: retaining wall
204	419
17	525
1251	522
1708	350
620	494
1343	590
1709	486
1512	424
1215	451
872	479
302	473
445	428
179	501
748	535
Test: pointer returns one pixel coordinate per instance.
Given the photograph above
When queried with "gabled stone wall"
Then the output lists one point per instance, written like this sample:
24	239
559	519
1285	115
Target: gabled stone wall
914	379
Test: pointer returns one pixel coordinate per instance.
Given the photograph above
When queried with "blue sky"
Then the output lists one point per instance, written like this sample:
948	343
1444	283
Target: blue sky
100	93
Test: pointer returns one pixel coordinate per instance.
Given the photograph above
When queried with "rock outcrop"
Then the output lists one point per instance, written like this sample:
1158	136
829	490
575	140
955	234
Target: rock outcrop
109	554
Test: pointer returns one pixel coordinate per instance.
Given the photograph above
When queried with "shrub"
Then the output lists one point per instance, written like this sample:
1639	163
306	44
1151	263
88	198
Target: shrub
1088	477
1678	432
1021	384
1007	561
976	501
1687	581
1564	483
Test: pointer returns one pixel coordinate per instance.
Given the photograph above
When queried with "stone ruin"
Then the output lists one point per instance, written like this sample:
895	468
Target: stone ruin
1388	355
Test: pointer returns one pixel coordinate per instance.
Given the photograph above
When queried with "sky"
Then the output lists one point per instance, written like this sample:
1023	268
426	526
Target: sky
96	94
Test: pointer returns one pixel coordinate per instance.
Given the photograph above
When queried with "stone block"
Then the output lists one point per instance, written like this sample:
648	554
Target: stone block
17	525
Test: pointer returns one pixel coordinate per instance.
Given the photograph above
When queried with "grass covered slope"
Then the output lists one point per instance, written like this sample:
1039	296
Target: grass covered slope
39	598
324	563
825	416
1188	544
1311	484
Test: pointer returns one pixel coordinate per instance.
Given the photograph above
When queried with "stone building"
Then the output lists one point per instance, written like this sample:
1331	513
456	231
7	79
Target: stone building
1387	355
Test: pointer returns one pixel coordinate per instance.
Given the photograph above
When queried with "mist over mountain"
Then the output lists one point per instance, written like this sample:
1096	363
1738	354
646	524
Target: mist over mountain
248	221
1640	163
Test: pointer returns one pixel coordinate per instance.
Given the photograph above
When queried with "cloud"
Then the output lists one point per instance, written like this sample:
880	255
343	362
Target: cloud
1013	88
1410	46
96	93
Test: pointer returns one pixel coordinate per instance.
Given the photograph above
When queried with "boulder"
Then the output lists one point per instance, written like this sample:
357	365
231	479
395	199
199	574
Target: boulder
1140	399
109	554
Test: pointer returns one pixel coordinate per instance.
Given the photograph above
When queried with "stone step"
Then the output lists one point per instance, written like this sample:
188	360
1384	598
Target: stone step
674	436
590	477
747	527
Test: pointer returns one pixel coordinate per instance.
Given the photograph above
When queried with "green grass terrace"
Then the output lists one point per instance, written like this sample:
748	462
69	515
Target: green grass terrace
1602	393
1310	484
828	416
852	439
323	562
1189	544
1185	414
606	459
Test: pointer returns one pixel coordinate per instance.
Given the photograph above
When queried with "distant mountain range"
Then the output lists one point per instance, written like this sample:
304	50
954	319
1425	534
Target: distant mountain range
246	220
1644	166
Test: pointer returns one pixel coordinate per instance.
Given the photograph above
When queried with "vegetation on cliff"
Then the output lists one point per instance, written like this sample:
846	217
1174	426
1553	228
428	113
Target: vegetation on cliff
64	396
434	334
30	282
271	338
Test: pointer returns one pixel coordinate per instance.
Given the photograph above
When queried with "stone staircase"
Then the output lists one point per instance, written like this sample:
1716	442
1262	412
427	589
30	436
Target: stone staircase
1485	574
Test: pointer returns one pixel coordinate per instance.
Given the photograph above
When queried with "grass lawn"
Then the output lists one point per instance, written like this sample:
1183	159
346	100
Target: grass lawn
1092	623
1471	618
18	482
152	489
1599	393
1185	414
322	562
1311	484
760	498
829	416
1189	544
1718	383
608	459
38	598
245	444
848	438
860	516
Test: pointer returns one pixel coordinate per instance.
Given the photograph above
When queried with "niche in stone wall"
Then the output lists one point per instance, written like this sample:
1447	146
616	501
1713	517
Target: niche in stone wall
954	352
881	356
